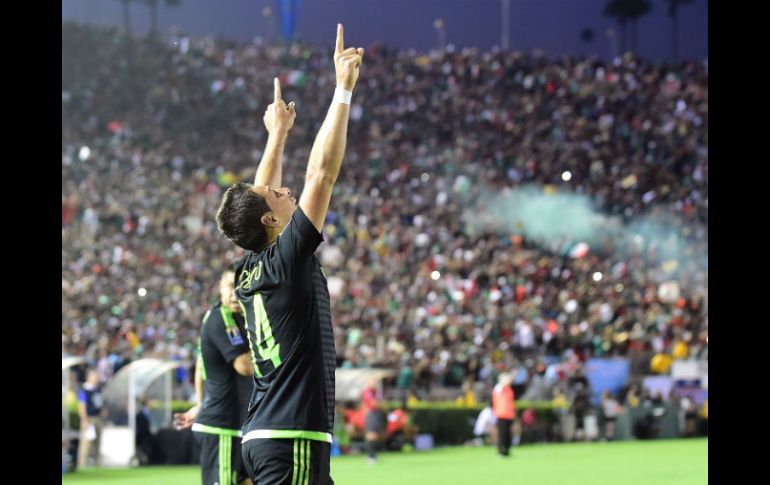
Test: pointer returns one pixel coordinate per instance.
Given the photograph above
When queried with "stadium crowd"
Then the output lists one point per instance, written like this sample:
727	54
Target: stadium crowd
154	130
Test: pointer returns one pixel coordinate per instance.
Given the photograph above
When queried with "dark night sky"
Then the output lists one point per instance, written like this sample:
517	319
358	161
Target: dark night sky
552	25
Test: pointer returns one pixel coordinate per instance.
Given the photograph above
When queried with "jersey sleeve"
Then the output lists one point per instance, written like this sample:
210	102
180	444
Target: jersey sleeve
298	241
228	341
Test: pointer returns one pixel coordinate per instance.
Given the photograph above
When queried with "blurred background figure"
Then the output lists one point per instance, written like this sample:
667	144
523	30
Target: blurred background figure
505	412
610	411
146	442
91	411
374	419
484	427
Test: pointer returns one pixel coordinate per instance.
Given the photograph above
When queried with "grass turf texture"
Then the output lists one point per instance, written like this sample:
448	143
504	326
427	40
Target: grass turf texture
670	462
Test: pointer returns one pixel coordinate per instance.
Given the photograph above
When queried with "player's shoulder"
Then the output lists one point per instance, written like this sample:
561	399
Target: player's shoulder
258	271
252	260
301	224
243	263
212	314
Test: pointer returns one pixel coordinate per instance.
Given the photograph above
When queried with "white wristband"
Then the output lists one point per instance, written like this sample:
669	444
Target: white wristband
342	96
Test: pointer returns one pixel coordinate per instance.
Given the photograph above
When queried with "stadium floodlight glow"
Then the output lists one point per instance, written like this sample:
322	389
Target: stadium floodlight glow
566	176
142	292
597	276
435	275
84	153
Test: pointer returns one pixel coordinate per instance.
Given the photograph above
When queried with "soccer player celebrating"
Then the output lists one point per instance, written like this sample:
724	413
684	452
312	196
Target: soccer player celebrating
284	295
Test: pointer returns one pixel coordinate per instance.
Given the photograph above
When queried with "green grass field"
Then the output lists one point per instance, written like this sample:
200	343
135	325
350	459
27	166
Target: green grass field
675	462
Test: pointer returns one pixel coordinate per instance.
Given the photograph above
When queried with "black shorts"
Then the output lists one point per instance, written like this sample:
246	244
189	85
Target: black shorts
221	460
374	421
288	461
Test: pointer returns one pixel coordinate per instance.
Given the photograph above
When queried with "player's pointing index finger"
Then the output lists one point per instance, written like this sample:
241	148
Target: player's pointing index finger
276	90
340	41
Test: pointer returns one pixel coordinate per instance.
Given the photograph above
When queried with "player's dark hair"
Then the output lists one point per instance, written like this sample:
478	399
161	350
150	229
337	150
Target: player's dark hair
239	217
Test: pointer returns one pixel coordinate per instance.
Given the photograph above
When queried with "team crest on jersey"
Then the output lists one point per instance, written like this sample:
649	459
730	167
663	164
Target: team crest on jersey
235	336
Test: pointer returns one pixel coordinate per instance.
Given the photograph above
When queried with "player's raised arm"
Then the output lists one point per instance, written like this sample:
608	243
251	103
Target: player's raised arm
329	146
278	119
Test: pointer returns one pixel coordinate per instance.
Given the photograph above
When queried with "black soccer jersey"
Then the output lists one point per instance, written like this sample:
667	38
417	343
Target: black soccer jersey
222	340
284	295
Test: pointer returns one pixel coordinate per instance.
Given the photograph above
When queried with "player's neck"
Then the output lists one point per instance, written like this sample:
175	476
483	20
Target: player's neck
272	235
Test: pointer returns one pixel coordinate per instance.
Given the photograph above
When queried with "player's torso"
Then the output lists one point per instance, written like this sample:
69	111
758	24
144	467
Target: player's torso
223	387
288	324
